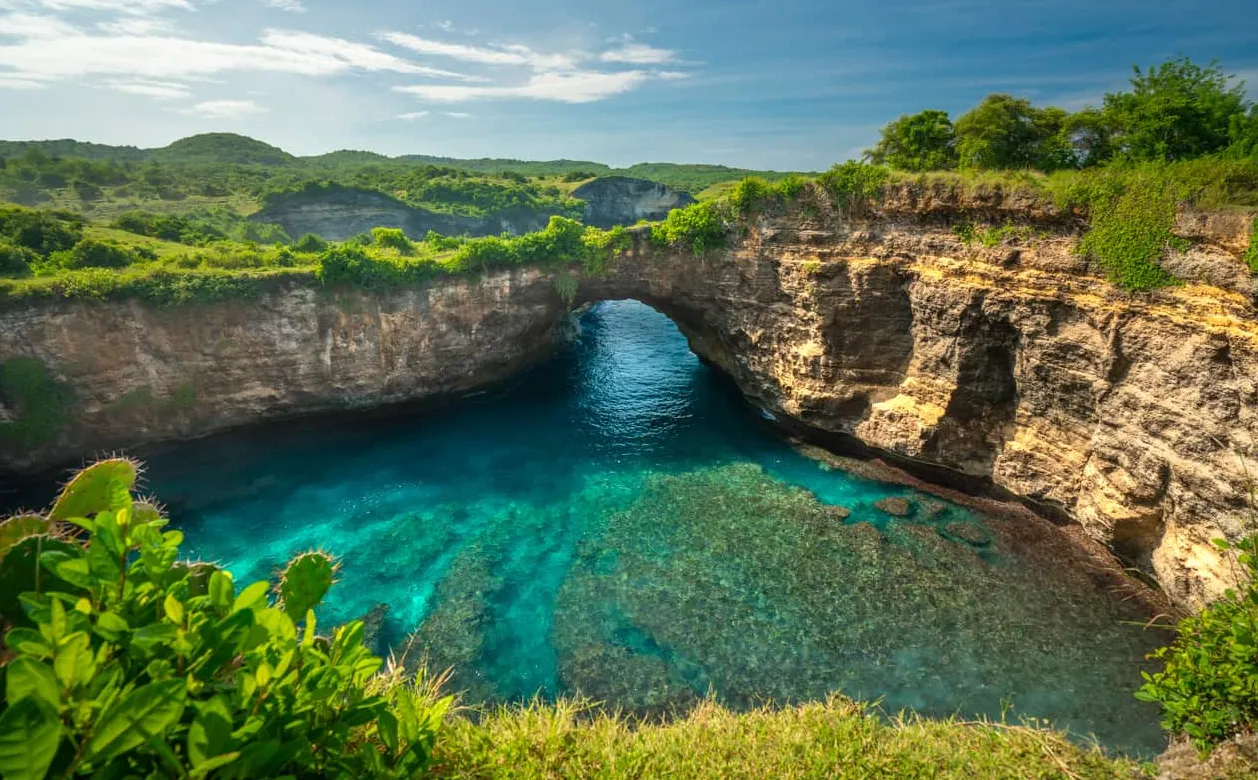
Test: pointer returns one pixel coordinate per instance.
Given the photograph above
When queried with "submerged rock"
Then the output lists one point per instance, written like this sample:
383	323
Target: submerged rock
966	533
897	507
837	512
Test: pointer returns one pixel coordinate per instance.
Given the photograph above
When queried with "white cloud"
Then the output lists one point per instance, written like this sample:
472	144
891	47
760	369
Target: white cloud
21	81
458	114
224	109
294	6
75	53
584	86
413	115
638	54
446	25
117	6
162	90
457	51
137	25
22	25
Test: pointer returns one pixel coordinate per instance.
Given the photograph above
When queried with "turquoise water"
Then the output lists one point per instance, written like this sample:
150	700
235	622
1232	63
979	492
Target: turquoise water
618	523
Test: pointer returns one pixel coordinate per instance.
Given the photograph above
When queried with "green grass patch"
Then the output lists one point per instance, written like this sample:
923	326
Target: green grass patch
835	739
41	404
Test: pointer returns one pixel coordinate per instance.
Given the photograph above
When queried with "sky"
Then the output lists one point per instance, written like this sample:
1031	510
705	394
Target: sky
776	84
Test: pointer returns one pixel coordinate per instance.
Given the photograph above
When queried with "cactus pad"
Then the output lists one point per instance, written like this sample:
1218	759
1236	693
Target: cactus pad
17	528
305	581
102	487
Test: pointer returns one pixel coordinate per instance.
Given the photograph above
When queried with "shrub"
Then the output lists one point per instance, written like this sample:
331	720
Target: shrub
310	244
1132	221
392	238
16	260
350	264
854	184
90	253
700	226
1209	687
129	662
750	195
43	232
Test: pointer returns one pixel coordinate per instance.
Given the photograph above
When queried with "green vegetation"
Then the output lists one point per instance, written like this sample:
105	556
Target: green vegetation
1209	687
836	739
40	405
699	226
125	661
1251	255
1175	111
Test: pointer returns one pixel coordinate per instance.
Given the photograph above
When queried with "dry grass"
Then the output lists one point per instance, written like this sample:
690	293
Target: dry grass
835	739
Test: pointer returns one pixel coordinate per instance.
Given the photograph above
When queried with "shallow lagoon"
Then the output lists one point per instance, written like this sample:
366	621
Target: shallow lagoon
618	523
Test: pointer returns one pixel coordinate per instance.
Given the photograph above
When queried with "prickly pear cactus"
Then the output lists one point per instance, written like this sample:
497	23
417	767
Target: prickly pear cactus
101	487
17	528
305	581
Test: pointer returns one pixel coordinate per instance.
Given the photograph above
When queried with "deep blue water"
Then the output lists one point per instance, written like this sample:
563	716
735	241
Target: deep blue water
618	523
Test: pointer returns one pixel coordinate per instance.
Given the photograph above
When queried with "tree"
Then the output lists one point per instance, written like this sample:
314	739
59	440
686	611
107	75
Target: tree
924	141
1004	132
1175	111
1091	137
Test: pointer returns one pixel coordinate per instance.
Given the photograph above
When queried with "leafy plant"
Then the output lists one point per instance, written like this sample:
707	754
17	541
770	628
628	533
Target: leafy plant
126	662
852	184
700	226
1209	687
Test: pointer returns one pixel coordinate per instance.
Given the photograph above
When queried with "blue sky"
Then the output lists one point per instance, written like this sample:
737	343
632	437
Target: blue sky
786	84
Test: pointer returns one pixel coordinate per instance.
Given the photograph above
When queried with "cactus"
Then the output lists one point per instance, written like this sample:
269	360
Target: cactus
103	486
144	512
305	581
18	527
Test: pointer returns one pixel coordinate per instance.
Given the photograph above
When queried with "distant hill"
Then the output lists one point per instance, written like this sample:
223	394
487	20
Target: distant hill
233	149
222	148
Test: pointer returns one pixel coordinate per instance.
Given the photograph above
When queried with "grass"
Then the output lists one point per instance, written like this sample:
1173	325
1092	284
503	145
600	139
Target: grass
835	739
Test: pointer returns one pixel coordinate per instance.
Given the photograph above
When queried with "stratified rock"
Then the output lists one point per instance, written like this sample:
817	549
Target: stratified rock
373	622
620	200
896	507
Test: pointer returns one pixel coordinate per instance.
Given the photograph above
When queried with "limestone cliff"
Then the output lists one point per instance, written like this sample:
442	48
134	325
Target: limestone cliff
620	200
1014	363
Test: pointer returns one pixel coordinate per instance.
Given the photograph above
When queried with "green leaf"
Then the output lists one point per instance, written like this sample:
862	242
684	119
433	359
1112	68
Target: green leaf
252	598
209	765
174	610
73	663
221	590
211	731
102	487
146	712
387	725
27	678
111	626
28	642
29	735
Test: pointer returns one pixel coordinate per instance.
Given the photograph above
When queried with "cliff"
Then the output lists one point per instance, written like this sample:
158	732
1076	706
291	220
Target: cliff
619	200
338	213
1014	363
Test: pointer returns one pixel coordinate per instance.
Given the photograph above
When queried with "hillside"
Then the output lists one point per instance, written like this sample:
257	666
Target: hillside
233	149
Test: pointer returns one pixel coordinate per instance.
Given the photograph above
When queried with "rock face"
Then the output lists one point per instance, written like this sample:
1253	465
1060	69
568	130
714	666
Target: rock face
620	200
344	212
1014	363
